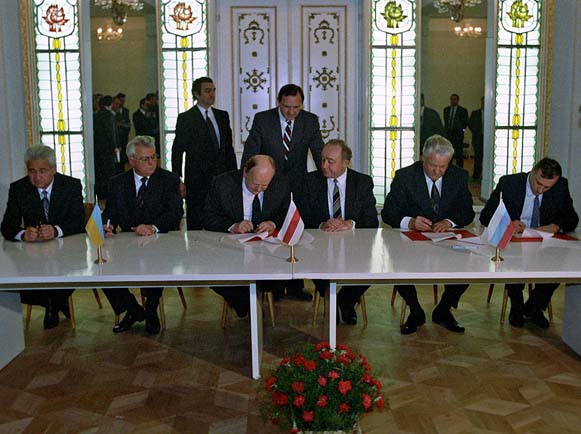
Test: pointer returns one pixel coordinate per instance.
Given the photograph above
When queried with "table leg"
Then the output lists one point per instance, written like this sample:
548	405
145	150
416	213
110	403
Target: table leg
571	334
332	309
11	329
255	331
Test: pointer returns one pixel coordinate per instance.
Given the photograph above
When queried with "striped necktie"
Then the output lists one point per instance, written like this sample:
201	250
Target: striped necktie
141	193
435	198
336	201
536	216
45	204
286	139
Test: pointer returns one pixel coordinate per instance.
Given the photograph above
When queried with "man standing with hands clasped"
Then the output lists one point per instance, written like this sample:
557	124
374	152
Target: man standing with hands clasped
430	195
541	200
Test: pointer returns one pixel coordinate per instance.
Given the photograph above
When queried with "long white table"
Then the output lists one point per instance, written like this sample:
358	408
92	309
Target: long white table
173	259
387	256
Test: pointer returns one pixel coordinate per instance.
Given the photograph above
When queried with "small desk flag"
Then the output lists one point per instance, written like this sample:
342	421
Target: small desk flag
293	226
94	227
500	228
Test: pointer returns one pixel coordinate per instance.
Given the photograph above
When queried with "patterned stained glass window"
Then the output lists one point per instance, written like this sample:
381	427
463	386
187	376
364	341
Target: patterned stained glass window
393	90
184	51
517	86
58	83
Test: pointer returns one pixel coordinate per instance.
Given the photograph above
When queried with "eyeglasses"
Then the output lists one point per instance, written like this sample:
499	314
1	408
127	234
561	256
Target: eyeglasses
153	158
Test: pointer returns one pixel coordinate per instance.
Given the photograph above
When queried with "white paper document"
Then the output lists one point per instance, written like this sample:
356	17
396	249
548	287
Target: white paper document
534	233
441	236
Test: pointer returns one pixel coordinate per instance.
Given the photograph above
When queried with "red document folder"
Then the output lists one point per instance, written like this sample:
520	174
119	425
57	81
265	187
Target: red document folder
417	235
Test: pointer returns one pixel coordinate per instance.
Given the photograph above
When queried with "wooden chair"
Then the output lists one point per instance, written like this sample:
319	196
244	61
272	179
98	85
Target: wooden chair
404	304
505	302
269	299
71	310
317	302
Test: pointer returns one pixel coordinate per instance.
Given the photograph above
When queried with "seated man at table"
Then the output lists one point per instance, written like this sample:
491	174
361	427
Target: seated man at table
145	201
538	199
42	206
254	199
336	199
430	196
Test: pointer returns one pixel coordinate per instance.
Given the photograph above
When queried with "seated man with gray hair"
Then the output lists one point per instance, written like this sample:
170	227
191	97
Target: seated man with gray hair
42	206
146	201
430	195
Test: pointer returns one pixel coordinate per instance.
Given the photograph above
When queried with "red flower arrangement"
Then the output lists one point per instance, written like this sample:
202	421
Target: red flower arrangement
320	389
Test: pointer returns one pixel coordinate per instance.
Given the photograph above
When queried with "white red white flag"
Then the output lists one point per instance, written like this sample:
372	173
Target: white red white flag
293	226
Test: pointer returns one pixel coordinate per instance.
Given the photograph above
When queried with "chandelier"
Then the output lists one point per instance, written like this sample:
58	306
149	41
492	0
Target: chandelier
455	7
469	31
109	34
119	8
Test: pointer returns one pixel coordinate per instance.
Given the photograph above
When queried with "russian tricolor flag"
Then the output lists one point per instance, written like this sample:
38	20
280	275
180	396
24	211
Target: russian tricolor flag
293	226
500	228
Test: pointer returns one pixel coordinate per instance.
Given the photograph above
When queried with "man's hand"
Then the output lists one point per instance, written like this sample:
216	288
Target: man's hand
144	230
519	226
243	227
442	226
108	230
266	226
552	228
337	225
30	234
420	223
46	232
182	189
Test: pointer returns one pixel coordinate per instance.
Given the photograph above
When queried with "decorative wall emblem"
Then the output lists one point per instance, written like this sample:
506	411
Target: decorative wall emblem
519	16
183	16
254	80
393	14
321	32
324	78
393	17
327	127
55	18
252	32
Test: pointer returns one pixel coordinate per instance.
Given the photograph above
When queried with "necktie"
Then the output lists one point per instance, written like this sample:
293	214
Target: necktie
452	114
141	193
286	139
212	131
256	212
45	204
435	198
336	201
536	217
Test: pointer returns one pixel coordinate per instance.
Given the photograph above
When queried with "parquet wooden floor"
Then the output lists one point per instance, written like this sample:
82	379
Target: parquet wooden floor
194	376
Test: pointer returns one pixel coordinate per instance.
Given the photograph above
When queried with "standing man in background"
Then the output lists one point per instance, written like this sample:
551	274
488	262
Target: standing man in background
476	125
204	134
455	122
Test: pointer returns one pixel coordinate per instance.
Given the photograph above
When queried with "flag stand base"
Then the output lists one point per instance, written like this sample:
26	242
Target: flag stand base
497	257
100	259
292	259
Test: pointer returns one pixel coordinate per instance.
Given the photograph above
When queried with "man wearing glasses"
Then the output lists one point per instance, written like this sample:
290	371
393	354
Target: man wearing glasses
146	201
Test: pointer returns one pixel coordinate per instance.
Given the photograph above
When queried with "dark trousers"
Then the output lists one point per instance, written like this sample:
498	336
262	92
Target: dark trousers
122	300
477	144
450	297
348	296
44	298
238	296
539	298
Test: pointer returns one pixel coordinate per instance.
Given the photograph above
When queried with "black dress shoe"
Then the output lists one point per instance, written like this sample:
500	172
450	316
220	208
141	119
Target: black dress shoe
152	325
416	319
301	294
241	309
447	321
516	319
51	316
348	314
128	320
64	308
538	318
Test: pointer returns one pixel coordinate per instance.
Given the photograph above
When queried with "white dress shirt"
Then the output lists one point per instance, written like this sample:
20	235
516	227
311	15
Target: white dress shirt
527	208
212	119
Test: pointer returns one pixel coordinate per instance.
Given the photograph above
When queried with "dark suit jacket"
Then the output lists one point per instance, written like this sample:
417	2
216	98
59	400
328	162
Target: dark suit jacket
203	160
455	131
475	125
556	206
163	204
105	140
409	197
123	128
266	138
359	200
430	124
142	124
24	207
224	205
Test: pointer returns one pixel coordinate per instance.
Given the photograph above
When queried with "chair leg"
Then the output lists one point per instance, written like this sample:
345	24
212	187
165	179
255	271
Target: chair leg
161	308
489	296
435	294
72	311
28	315
270	300
97	298
363	310
393	295
117	319
550	310
142	297
316	303
503	308
403	309
182	298
224	314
